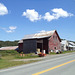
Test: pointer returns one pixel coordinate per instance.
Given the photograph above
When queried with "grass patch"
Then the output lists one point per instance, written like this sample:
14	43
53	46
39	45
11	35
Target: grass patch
8	63
67	52
14	54
26	56
6	58
53	53
8	52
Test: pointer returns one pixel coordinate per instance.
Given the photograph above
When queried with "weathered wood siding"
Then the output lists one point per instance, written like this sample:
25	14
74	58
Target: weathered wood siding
29	46
54	42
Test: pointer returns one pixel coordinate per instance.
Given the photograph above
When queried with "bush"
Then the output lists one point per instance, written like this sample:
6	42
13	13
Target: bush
8	52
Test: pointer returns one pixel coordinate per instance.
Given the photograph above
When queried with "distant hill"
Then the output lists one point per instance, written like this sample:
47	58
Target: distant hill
8	43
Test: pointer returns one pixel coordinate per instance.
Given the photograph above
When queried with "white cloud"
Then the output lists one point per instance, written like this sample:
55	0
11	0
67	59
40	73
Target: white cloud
32	15
10	29
57	13
3	9
48	16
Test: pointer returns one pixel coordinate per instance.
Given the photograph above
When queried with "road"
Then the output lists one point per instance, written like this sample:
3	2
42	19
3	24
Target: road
63	64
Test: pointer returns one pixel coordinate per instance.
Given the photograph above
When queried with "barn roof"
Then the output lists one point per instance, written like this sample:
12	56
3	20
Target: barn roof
20	41
38	35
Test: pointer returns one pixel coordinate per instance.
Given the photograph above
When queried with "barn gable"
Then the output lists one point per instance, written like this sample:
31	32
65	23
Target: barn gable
54	42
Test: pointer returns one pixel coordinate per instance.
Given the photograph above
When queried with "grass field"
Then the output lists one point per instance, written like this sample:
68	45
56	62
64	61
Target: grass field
6	58
67	52
5	63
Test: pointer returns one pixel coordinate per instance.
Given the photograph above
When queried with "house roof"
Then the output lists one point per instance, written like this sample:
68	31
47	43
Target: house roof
38	35
71	43
9	48
71	46
64	41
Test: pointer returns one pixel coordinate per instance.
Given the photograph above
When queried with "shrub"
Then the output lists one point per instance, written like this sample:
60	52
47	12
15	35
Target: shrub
8	52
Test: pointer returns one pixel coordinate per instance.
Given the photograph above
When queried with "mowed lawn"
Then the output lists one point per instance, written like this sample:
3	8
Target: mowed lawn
7	57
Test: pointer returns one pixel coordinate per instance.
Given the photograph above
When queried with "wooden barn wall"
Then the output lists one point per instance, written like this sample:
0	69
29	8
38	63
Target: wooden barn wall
29	46
54	42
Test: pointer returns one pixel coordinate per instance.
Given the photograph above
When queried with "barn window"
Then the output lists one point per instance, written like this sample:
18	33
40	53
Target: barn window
54	47
55	37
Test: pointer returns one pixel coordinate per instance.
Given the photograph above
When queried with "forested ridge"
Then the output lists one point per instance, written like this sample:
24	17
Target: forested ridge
8	43
13	43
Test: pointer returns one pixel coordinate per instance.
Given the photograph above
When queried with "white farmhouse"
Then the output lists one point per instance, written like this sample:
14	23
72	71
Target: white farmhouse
67	45
64	45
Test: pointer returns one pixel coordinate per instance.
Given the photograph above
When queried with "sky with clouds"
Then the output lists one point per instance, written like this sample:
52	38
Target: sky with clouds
23	17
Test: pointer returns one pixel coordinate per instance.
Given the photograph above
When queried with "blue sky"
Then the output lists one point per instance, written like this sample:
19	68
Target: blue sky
23	17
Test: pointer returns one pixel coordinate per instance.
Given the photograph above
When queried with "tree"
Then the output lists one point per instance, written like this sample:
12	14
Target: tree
8	43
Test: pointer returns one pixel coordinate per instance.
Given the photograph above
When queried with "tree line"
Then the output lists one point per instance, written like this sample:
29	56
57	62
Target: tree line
8	43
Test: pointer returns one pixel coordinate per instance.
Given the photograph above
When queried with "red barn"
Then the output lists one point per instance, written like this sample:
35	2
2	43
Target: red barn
47	41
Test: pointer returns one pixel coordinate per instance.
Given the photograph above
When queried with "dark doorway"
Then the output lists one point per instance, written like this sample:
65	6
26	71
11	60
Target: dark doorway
39	45
42	44
45	45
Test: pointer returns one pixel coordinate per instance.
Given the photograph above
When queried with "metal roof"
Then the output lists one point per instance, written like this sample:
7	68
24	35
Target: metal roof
20	41
37	35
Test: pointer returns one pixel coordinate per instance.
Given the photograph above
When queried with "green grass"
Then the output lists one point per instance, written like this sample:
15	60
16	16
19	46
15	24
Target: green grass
67	52
8	52
8	63
16	55
53	53
24	57
7	57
